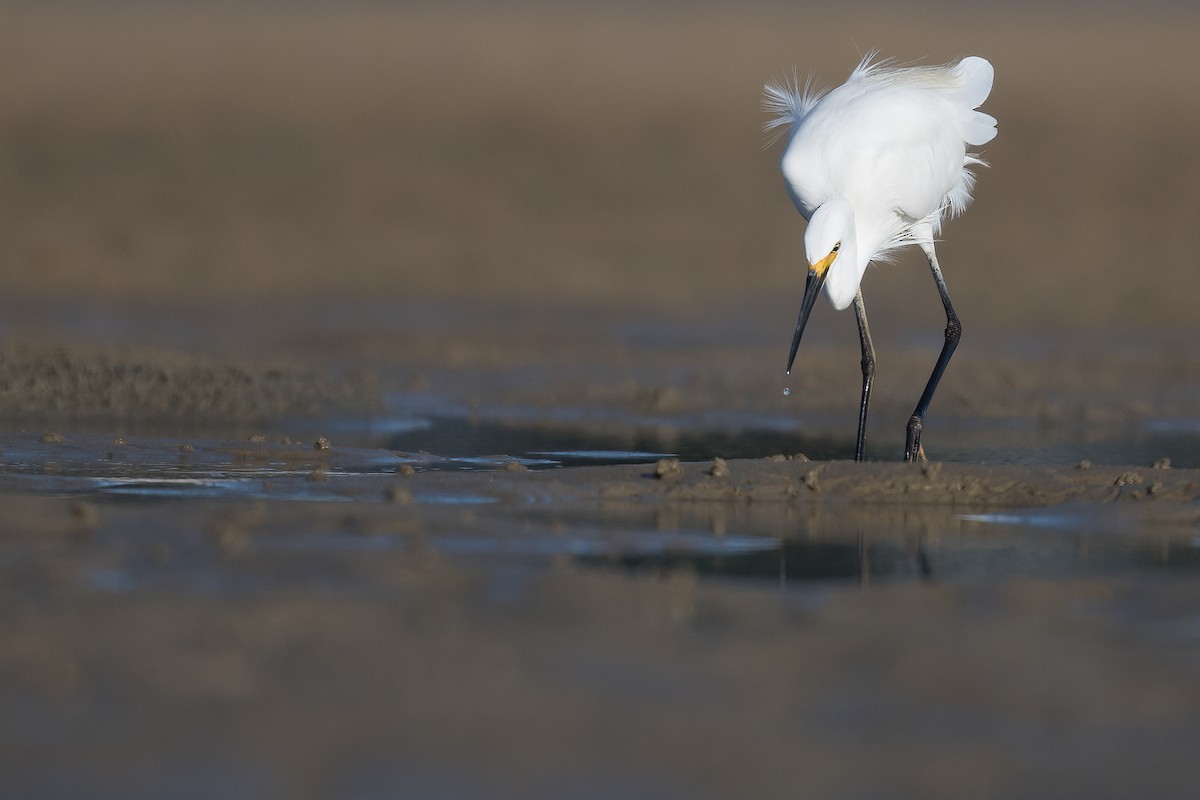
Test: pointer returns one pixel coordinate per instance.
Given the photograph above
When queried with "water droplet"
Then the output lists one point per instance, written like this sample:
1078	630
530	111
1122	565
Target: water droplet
786	391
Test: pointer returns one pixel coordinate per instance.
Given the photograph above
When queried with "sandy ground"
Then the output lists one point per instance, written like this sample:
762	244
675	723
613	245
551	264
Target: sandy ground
225	232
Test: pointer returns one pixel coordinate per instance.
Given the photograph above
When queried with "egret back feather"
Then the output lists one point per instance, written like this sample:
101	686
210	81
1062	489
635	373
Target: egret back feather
964	85
788	103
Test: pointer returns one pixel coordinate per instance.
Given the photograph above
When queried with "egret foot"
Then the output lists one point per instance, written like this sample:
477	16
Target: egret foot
912	441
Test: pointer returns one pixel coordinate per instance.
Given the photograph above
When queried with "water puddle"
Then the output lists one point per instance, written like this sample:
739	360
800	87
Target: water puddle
564	457
931	545
778	546
171	487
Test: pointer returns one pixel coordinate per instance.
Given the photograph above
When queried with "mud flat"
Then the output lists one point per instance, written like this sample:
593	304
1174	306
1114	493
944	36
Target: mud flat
800	481
264	619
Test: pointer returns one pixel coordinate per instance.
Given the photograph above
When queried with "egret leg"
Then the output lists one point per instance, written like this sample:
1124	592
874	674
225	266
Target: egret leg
912	443
868	372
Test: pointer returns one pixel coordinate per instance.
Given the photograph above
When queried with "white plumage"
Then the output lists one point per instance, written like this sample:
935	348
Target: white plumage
892	141
876	164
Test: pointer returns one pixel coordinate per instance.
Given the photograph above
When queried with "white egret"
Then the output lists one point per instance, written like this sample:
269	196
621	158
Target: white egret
875	165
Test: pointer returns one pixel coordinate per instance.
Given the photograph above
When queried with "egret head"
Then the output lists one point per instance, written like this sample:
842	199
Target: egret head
829	244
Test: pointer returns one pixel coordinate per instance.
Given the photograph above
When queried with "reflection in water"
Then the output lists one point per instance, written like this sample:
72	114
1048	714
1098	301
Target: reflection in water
866	560
893	543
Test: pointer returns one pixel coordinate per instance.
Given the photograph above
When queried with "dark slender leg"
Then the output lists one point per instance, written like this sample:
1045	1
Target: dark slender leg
868	371
912	444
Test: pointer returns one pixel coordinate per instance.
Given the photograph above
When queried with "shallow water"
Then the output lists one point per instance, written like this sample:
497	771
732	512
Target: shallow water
774	544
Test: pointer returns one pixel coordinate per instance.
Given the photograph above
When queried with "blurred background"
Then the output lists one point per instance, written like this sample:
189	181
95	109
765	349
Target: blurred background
361	220
426	192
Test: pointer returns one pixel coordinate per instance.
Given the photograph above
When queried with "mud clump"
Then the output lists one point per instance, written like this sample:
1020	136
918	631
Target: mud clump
1128	479
719	468
668	469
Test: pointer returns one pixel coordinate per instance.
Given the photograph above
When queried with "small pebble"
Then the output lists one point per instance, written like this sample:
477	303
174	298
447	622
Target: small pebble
321	444
515	466
1085	464
1127	479
667	468
407	469
258	437
719	468
52	438
318	474
1162	463
186	448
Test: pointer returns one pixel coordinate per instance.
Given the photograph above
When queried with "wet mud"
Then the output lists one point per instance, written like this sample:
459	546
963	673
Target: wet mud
391	404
